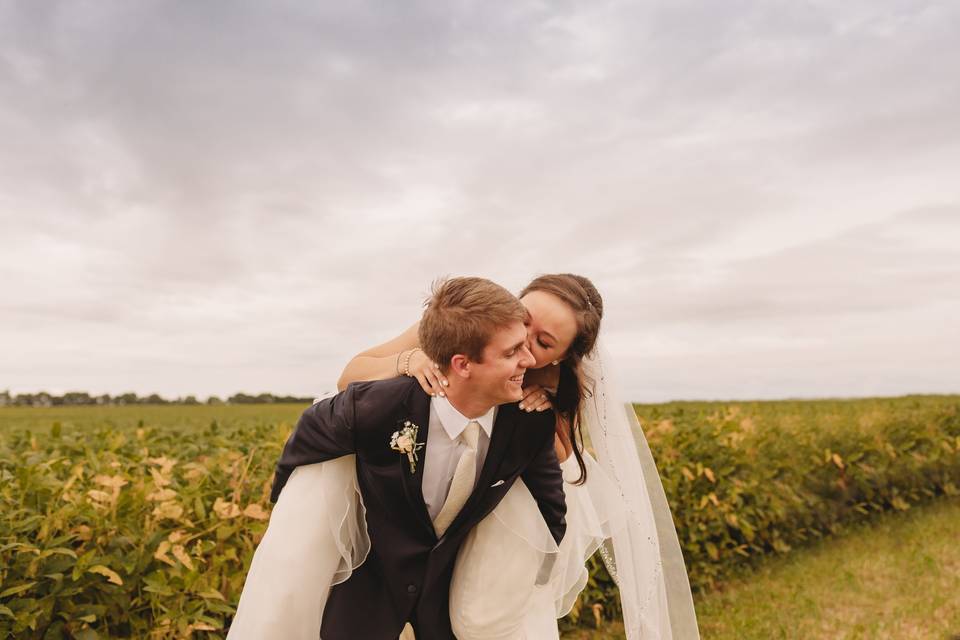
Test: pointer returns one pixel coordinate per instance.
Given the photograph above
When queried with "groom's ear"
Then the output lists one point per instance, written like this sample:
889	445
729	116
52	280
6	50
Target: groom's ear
460	366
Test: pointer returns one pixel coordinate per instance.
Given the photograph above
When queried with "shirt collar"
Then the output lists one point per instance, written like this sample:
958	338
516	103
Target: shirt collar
454	422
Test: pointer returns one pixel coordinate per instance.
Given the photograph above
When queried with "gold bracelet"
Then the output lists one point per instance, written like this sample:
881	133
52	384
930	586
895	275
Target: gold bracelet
406	362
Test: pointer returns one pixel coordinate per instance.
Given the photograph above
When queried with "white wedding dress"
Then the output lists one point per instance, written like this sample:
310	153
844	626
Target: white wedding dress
511	580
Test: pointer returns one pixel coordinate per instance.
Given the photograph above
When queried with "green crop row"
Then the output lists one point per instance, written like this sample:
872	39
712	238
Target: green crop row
752	479
118	526
130	533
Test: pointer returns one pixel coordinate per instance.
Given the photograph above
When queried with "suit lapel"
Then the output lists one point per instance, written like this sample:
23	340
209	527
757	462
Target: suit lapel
503	430
418	407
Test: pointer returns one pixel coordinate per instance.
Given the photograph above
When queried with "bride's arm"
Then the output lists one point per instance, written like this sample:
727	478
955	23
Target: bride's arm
389	360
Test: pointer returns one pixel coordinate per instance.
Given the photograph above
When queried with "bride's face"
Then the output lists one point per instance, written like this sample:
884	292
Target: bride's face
551	329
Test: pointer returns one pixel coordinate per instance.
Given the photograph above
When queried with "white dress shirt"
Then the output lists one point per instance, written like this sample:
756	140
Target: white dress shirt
444	449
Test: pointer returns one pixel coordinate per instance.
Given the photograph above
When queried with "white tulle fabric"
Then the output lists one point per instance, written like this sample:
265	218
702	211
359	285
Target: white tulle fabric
316	537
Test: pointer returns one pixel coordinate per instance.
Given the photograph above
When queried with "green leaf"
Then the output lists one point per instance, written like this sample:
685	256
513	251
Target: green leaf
199	509
158	589
712	551
29	548
58	550
12	591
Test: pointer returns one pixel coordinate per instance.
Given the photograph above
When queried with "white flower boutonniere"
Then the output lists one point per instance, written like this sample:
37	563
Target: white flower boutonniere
405	441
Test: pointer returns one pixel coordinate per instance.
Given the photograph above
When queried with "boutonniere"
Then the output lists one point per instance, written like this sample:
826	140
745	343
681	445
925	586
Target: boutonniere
405	441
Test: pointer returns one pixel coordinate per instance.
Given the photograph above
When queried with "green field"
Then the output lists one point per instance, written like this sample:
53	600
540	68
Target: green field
896	578
141	520
128	418
748	480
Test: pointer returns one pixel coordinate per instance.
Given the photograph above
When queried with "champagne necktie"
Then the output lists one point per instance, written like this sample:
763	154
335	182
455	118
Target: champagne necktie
464	477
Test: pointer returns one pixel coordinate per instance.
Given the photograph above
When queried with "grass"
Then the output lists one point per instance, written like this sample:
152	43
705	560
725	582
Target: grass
897	578
609	631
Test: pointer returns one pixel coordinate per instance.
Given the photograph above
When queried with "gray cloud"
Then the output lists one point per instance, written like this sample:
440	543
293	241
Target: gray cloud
206	198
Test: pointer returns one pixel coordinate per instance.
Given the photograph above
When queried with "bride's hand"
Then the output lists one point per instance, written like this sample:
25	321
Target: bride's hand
535	398
428	374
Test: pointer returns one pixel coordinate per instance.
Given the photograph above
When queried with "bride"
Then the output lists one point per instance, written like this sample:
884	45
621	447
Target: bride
615	503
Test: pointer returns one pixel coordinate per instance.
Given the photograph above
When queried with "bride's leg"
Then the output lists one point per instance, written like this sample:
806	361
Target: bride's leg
541	619
289	578
493	588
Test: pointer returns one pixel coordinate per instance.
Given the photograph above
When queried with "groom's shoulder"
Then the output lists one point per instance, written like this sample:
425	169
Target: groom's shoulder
376	397
392	387
536	424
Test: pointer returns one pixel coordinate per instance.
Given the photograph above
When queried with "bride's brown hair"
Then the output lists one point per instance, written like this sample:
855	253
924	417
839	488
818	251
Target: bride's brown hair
587	306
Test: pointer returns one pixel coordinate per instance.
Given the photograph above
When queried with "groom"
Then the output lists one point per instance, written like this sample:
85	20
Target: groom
429	469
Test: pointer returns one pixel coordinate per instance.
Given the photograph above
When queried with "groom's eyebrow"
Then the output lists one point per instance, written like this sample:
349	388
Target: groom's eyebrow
516	346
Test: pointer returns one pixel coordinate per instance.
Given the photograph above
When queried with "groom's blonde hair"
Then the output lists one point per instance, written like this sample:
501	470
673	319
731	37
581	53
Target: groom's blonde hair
461	316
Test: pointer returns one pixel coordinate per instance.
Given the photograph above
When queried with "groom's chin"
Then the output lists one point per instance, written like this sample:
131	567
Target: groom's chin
515	394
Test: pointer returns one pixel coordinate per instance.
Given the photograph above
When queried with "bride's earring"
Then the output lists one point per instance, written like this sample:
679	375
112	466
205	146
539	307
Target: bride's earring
556	362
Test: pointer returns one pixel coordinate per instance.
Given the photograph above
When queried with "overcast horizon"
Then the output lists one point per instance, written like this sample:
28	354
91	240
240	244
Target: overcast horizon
209	198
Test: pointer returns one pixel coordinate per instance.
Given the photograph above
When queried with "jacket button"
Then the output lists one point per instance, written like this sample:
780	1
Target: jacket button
411	589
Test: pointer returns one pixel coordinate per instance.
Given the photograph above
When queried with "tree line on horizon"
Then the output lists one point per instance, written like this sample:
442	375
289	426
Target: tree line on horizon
81	398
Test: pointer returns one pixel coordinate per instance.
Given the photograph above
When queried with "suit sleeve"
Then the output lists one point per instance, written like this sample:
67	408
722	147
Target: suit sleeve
544	479
325	431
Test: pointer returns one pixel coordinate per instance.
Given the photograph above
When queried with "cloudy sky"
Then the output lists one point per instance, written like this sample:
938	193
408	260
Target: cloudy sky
208	197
